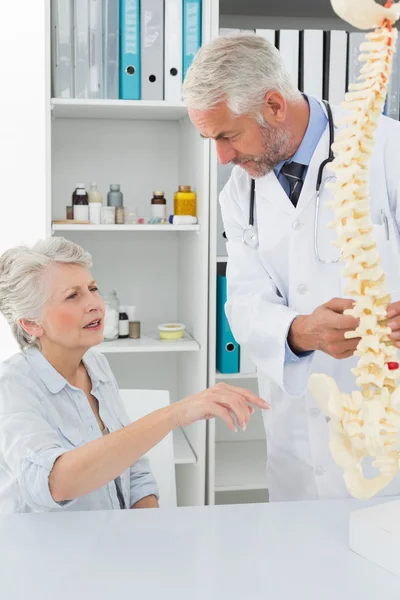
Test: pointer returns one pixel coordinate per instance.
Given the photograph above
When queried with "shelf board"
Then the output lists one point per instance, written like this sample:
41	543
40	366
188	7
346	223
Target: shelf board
117	109
224	376
183	451
149	344
119	228
240	466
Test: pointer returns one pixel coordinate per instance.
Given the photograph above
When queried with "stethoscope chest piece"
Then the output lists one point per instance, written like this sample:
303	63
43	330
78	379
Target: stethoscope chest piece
250	237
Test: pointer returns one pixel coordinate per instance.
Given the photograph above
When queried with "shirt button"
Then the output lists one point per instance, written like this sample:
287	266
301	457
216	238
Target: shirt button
319	471
297	224
302	289
314	413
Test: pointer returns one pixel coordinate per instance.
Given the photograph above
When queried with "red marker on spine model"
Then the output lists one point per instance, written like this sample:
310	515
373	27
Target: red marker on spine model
392	366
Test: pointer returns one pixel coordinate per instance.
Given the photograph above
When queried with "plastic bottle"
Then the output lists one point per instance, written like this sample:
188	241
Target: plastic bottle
123	325
158	205
94	194
81	205
114	196
111	316
79	186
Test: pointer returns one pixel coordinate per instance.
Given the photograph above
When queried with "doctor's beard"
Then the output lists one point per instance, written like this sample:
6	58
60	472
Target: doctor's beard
277	146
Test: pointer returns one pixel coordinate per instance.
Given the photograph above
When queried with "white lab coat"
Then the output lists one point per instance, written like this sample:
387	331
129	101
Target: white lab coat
270	284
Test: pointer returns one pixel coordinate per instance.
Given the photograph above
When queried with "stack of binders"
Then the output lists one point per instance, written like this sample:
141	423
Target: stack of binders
127	49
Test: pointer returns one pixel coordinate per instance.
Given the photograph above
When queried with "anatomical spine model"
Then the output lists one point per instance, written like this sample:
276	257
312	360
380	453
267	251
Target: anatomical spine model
366	422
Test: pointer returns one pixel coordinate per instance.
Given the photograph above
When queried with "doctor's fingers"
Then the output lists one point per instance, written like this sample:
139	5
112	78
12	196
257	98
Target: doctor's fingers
343	349
341	322
247	395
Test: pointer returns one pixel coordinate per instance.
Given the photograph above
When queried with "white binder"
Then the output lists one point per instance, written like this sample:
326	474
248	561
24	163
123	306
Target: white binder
313	52
173	50
81	48
354	66
62	49
96	81
111	49
337	66
152	49
289	51
392	107
268	34
226	31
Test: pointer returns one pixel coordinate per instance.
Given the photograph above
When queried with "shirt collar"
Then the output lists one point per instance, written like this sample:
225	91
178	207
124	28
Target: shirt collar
315	128
53	380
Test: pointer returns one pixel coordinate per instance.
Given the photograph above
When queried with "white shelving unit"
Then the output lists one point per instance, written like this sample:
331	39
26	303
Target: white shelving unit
161	269
227	376
240	466
117	109
123	228
149	344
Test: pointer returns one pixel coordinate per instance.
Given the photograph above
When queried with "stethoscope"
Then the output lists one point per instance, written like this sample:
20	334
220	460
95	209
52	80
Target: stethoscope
250	237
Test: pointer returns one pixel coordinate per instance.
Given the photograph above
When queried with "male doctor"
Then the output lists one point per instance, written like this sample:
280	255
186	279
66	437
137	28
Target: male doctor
285	288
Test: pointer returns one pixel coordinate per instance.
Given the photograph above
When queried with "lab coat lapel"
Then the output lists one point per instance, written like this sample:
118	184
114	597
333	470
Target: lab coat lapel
268	189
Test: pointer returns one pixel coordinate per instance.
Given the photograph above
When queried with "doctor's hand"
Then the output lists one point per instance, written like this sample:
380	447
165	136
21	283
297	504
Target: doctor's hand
324	330
222	400
393	314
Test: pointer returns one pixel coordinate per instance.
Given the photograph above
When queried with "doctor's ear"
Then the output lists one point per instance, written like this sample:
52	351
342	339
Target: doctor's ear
31	327
275	107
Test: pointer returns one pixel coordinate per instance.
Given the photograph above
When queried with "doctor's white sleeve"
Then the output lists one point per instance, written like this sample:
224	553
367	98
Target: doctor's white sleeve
257	313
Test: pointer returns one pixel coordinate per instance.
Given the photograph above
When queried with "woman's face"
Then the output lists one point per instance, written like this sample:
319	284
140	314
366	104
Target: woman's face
73	317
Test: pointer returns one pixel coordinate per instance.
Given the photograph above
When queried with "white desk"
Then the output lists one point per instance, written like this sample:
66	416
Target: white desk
267	552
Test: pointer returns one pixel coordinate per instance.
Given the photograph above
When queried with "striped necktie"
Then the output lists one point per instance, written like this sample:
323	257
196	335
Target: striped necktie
294	174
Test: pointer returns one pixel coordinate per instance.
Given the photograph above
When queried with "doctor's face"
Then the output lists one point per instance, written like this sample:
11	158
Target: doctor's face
242	140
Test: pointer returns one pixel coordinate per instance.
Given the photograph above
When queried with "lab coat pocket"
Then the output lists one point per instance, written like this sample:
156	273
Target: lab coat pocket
70	436
389	258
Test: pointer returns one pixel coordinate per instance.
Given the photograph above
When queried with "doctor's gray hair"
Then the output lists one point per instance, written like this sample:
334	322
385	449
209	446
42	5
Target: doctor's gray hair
23	289
239	69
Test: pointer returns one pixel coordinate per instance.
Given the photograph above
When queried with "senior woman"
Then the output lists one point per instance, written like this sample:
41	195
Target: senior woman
65	440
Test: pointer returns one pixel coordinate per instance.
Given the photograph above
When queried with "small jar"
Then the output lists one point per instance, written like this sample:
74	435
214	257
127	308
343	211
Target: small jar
134	330
123	325
158	206
120	215
107	215
114	196
81	206
111	316
185	201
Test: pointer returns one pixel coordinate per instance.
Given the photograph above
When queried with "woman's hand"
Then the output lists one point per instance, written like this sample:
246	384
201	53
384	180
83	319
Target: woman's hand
222	400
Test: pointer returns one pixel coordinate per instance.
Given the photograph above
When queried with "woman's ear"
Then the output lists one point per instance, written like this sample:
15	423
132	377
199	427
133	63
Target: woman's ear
31	327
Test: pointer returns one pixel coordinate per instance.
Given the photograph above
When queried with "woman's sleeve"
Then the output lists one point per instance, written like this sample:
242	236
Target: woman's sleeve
29	445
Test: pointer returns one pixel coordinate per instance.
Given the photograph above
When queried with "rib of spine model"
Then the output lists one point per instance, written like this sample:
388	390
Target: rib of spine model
366	422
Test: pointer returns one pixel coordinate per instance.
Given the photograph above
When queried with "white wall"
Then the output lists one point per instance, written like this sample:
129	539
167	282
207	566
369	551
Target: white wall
22	130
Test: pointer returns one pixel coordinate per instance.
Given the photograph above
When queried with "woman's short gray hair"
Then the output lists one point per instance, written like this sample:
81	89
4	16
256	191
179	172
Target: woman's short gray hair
239	69
22	290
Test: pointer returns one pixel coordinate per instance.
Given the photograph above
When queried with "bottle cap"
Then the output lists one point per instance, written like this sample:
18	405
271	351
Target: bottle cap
185	188
158	193
80	185
122	309
115	187
93	184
